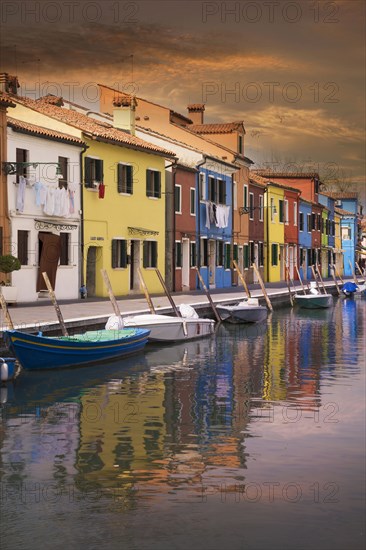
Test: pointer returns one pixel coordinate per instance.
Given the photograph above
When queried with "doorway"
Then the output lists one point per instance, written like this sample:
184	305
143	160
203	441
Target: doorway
185	264
212	262
92	262
135	255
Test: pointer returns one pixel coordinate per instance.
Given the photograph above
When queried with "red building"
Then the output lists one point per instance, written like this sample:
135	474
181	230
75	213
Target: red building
184	227
291	216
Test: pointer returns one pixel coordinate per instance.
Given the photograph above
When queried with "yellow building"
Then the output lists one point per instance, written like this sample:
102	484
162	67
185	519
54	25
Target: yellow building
123	194
274	233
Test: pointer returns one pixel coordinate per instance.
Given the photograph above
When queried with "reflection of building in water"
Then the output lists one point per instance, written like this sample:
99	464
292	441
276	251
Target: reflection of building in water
295	352
40	446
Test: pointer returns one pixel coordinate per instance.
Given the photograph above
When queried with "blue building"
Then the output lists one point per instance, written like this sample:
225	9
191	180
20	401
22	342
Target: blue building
349	208
305	258
215	222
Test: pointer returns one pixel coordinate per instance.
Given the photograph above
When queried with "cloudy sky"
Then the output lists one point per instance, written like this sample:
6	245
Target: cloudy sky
294	72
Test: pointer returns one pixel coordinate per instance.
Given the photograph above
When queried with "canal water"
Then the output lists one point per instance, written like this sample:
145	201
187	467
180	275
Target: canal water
251	439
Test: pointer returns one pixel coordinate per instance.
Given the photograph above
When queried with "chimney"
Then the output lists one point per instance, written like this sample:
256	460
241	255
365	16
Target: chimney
195	112
8	84
124	113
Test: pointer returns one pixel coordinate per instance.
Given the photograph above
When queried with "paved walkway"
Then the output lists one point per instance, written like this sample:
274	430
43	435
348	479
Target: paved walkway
78	312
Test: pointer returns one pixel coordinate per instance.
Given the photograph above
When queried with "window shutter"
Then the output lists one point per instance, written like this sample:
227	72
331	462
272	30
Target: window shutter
114	252
158	177
145	254
154	254
120	178
87	170
148	183
123	253
129	178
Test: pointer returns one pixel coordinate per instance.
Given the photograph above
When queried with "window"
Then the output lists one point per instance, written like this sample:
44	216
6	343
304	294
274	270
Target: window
235	252
295	213
251	253
178	254
21	155
65	249
285	215
63	164
261	208
119	253
93	171
219	253
227	255
211	189
302	256
153	184
201	183
301	221
251	206
310	256
274	254
281	213
319	221
22	252
241	144
221	186
245	196
193	254
178	199
313	221
204	252
192	203
346	233
246	256
125	179
261	253
150	253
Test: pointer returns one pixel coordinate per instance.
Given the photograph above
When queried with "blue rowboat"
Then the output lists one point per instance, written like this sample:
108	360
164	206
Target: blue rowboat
45	352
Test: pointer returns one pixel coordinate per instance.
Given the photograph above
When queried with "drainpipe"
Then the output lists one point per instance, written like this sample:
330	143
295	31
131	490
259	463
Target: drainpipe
200	163
81	249
267	235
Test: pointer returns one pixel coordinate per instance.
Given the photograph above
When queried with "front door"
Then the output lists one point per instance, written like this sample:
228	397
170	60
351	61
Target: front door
91	262
185	264
135	254
49	247
212	262
255	276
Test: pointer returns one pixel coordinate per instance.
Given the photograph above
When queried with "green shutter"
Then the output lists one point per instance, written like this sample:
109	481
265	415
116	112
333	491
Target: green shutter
148	183
114	253
246	255
87	171
129	179
227	256
123	253
120	178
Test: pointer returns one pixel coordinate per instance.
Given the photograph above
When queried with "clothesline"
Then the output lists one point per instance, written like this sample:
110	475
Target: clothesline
217	214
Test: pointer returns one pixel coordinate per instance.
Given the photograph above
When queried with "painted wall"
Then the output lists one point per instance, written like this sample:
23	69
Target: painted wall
109	218
305	238
274	233
348	245
43	150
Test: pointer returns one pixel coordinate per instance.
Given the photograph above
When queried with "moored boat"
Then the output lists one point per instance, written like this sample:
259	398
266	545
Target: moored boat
9	368
164	328
45	352
314	301
247	311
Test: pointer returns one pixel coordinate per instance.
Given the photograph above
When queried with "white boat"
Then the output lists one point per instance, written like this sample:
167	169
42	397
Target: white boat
164	328
247	311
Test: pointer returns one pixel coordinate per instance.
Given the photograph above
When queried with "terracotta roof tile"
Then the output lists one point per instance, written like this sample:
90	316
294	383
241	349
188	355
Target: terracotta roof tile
224	128
28	128
255	178
196	107
273	174
343	212
6	100
341	195
91	126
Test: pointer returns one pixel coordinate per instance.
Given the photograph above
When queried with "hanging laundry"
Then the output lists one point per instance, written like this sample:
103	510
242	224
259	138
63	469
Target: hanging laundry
64	207
38	187
57	207
101	190
208	215
21	194
71	201
49	206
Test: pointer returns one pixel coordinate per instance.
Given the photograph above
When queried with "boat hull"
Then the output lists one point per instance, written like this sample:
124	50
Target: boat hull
42	352
242	313
316	301
8	368
164	328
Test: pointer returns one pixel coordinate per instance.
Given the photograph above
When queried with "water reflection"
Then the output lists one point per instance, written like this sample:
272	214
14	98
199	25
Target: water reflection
180	421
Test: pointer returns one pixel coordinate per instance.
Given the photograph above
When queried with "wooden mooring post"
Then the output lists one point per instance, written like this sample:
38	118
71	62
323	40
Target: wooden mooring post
167	293
7	316
146	292
241	277
112	297
208	296
55	304
260	280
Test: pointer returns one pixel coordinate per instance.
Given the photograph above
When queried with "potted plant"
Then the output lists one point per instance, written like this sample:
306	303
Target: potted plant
8	264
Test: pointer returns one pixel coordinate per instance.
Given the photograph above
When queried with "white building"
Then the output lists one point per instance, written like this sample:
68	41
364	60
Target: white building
44	209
